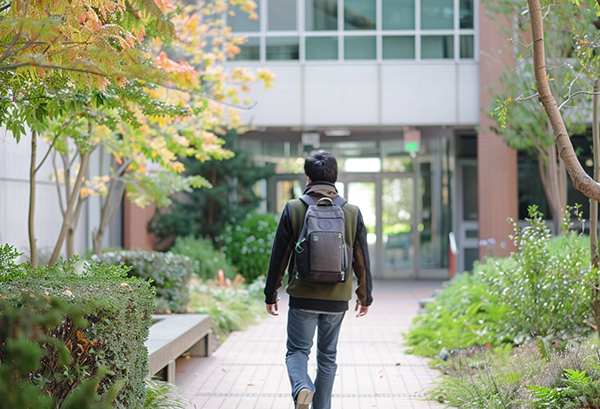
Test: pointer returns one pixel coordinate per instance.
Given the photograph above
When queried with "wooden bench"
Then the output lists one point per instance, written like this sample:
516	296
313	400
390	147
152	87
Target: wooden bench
173	335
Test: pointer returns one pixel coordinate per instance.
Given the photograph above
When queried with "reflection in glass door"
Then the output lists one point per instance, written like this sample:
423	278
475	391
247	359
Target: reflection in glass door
362	194
397	225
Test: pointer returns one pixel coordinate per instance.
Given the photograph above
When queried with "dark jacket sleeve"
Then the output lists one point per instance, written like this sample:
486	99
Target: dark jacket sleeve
362	264
280	255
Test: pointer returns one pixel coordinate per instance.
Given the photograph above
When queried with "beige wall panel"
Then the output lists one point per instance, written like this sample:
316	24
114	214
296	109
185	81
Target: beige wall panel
419	94
280	105
468	94
341	95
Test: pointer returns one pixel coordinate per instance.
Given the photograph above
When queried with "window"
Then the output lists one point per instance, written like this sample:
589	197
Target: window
437	47
437	14
359	48
398	14
283	48
359	14
466	46
321	15
398	47
365	30
250	50
466	14
321	48
282	15
241	22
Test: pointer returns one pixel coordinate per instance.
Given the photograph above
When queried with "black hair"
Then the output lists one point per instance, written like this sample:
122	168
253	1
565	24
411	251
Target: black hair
321	166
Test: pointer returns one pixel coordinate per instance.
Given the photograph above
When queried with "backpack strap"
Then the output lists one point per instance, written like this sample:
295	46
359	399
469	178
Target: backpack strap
309	201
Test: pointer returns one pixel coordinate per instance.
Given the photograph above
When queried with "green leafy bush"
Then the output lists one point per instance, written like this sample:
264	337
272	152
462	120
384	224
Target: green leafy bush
169	274
542	291
232	305
76	335
248	244
206	260
548	289
463	314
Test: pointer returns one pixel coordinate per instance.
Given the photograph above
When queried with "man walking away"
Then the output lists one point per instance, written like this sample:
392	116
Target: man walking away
314	304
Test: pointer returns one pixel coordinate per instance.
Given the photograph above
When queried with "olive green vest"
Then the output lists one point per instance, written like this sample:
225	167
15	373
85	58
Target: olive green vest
299	288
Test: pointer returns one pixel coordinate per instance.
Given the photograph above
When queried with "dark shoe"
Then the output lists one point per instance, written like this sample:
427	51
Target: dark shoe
304	399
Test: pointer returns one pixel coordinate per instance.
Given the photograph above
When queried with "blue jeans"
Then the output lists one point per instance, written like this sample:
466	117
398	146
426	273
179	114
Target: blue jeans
301	331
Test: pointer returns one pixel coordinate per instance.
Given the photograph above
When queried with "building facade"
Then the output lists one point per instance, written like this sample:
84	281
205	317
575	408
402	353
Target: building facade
398	91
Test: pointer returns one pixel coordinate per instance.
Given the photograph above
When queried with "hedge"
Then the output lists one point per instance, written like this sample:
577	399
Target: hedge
169	274
76	334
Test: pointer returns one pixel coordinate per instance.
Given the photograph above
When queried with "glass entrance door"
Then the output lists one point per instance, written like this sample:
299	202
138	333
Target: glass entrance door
386	201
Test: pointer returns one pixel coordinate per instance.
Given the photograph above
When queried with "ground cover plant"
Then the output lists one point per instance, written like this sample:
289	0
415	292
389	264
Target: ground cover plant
232	304
529	377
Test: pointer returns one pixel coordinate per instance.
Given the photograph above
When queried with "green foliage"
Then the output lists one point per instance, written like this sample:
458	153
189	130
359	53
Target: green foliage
207	261
543	291
248	243
232	306
62	337
169	273
568	378
206	212
549	294
463	315
164	395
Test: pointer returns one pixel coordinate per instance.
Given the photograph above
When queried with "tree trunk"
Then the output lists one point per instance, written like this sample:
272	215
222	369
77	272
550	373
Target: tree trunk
108	213
581	180
32	171
552	174
73	198
594	204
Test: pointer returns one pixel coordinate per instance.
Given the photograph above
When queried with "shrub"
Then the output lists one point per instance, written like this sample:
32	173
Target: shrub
542	291
463	315
248	244
206	260
75	336
169	274
548	288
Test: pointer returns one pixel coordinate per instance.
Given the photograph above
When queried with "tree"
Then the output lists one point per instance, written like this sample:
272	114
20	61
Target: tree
524	124
586	47
75	71
205	212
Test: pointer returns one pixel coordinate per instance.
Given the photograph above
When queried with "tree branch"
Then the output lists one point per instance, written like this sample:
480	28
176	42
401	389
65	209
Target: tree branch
70	208
119	199
577	93
6	53
54	67
60	201
47	153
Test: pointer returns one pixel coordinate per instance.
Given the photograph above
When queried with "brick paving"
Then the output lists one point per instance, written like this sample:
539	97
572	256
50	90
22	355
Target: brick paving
248	370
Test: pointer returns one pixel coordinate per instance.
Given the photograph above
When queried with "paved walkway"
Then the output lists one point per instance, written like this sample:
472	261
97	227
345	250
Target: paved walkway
248	370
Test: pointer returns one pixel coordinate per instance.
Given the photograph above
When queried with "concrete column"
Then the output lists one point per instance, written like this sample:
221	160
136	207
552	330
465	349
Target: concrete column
496	162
